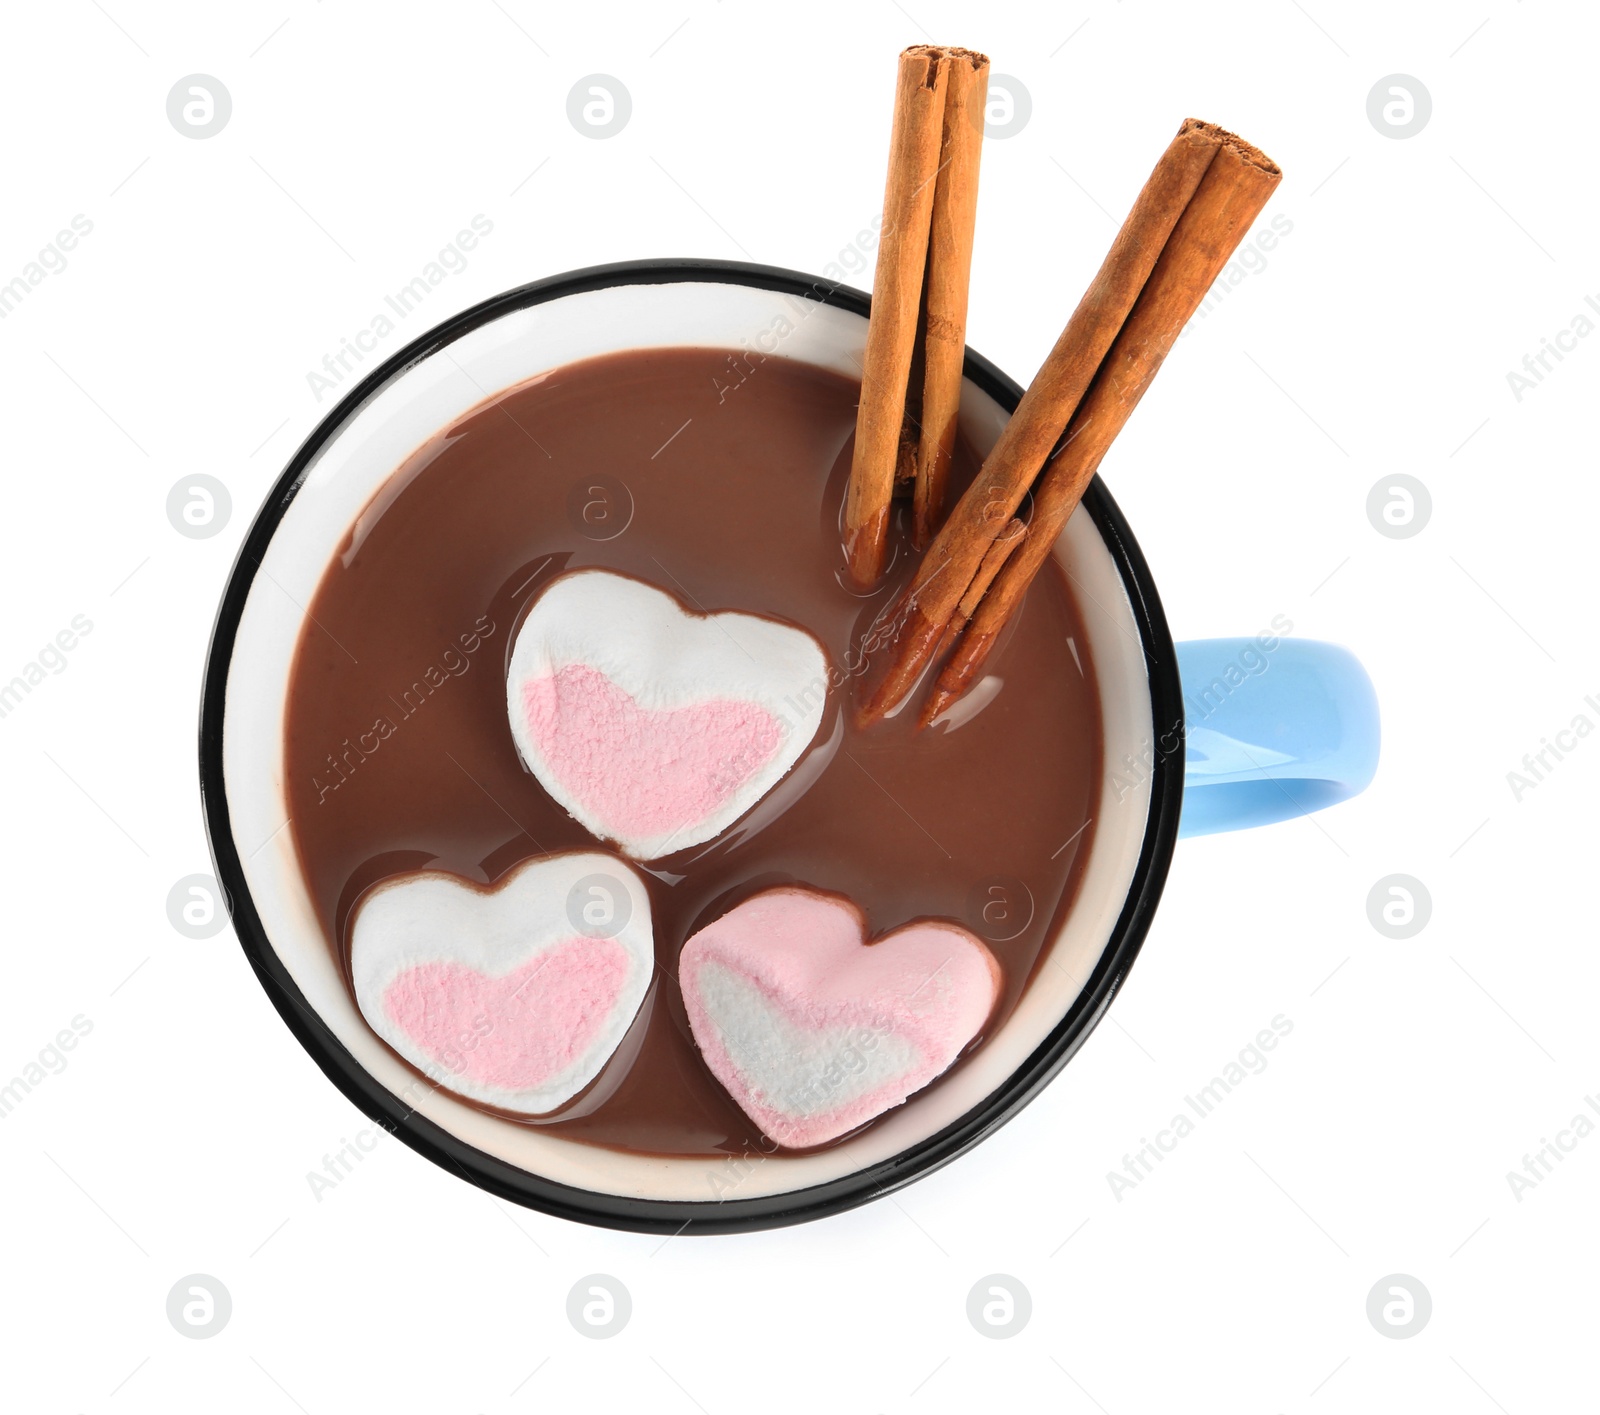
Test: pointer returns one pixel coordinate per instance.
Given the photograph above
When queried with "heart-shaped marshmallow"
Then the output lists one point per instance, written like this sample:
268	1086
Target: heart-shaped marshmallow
814	1031
515	996
654	726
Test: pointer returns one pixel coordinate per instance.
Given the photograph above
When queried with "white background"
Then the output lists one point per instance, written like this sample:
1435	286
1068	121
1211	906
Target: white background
1377	340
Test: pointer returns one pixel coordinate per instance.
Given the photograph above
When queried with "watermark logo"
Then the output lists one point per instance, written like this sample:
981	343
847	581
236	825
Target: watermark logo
1399	106
195	907
49	1060
599	106
1250	259
1399	906
51	260
998	1306
1251	1060
1398	1306
199	506
1537	766
1000	907
198	1306
451	259
199	106
338	1166
1563	342
1201	702
342	764
598	1306
735	1169
599	906
51	659
599	507
1399	506
1008	107
1541	1164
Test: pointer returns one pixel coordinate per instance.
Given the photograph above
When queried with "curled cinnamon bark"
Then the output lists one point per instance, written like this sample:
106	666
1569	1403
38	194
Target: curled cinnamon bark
944	330
896	300
1196	206
1235	189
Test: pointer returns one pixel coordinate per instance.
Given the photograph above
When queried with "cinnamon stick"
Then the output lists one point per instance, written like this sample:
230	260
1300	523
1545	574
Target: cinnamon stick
946	571
1236	186
993	561
896	298
944	331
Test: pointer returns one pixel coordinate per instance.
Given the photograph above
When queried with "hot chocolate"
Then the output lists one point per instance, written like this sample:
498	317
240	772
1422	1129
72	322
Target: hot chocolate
716	478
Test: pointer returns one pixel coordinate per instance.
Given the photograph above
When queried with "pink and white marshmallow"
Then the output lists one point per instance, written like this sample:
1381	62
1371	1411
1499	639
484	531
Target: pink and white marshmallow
813	1030
654	726
513	996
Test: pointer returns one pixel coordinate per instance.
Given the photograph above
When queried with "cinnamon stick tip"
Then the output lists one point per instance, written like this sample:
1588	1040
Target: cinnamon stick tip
935	707
947	51
865	550
1200	130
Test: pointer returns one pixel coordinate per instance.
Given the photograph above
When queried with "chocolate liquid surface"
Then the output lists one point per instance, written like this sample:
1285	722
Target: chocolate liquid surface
719	481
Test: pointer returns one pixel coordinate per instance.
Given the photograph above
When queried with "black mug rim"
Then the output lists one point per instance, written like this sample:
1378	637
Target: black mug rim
732	1214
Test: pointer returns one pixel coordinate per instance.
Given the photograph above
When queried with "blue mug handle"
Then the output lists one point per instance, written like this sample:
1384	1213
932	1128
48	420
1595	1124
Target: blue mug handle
1272	732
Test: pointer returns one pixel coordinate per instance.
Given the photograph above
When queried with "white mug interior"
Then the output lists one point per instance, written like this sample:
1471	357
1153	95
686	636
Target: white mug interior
347	474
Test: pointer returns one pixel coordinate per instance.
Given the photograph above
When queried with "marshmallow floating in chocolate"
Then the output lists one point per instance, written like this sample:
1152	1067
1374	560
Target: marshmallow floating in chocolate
516	995
814	1031
654	726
